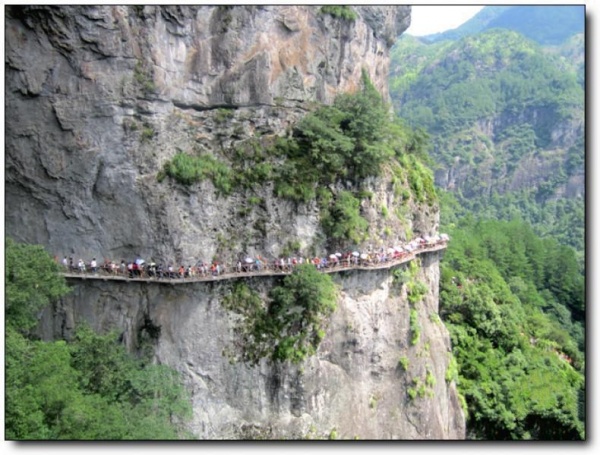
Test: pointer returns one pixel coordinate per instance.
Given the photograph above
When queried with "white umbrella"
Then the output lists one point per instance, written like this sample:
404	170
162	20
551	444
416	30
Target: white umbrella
444	236
139	261
355	253
364	256
249	260
332	256
339	255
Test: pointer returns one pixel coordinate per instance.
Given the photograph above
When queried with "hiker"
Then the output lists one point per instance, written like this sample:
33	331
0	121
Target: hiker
94	265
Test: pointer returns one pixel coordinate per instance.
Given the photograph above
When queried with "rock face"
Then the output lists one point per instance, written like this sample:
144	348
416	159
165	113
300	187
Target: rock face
355	385
98	98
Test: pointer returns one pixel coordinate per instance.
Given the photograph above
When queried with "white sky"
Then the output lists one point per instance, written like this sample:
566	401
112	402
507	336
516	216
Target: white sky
428	19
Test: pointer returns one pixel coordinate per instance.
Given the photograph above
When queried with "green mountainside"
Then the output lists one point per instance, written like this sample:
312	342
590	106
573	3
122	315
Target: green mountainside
502	100
506	119
548	25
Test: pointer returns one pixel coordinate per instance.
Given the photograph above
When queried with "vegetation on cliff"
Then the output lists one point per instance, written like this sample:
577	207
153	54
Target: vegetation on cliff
290	324
327	157
87	388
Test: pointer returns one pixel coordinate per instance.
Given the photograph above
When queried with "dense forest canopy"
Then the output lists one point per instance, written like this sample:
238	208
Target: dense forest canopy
514	305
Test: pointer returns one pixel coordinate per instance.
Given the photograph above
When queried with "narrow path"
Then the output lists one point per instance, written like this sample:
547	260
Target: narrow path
103	276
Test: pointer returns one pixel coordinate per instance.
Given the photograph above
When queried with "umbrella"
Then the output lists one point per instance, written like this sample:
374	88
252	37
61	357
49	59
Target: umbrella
364	256
139	261
332	256
444	236
355	253
390	251
339	255
249	260
399	249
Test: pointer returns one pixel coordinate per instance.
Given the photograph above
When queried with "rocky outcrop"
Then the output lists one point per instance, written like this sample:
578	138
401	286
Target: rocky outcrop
355	387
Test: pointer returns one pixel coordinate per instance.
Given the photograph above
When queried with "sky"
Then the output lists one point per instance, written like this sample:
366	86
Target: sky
427	19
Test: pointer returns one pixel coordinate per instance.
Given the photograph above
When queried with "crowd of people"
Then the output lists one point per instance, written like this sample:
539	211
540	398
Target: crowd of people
139	268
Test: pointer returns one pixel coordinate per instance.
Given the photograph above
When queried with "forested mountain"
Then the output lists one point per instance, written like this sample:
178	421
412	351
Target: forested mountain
548	25
506	119
502	101
514	306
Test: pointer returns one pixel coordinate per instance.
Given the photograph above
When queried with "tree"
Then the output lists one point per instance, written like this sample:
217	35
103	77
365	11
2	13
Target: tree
32	282
87	389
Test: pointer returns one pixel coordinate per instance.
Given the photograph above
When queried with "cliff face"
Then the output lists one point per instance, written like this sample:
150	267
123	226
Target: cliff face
99	98
354	385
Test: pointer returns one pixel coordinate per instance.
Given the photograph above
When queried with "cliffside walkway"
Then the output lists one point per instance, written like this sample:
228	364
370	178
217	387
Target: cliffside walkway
266	271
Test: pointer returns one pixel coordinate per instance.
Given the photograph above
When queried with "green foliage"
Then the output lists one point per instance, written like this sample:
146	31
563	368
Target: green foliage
143	79
292	325
340	11
223	115
416	290
335	146
415	327
52	392
292	248
32	282
87	389
435	318
514	306
412	393
188	169
403	362
452	370
147	133
429	378
342	220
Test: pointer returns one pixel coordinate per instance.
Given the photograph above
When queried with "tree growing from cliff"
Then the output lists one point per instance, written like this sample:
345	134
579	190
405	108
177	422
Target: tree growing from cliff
290	325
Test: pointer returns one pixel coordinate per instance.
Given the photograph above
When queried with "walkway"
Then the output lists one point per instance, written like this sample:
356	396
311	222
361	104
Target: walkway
268	271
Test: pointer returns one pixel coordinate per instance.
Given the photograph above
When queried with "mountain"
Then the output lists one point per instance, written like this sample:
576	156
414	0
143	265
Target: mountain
546	25
502	100
213	133
506	118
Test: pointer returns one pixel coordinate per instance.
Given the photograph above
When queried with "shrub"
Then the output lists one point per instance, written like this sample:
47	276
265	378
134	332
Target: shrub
339	11
343	220
415	328
291	326
403	362
187	170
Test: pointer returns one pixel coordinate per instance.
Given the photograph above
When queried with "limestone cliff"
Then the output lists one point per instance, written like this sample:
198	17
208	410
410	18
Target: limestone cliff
355	386
98	98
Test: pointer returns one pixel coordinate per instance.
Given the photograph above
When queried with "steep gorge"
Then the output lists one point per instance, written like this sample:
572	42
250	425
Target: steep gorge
99	98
